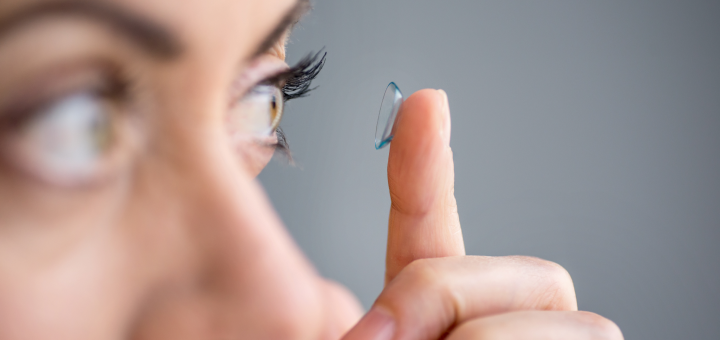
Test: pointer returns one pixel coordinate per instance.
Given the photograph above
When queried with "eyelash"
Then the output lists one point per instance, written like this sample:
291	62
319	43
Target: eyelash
296	83
300	77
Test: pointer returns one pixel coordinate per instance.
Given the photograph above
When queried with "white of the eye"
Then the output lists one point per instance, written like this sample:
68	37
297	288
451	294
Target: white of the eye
253	113
261	100
64	138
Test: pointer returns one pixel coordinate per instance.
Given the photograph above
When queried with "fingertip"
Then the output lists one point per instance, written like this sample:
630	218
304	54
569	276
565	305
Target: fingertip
446	121
420	161
420	119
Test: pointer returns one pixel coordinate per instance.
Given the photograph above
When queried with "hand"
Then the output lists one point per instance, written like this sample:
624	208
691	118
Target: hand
434	291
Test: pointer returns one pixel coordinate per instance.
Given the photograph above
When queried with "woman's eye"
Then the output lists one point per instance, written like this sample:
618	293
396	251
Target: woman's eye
68	139
258	113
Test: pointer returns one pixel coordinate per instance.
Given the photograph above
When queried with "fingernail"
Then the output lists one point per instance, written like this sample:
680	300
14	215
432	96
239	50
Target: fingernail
377	324
446	130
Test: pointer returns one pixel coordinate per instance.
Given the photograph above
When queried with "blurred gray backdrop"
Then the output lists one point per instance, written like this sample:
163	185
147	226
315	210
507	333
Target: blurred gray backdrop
586	133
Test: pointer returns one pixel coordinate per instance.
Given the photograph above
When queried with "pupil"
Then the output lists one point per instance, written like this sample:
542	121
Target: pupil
274	103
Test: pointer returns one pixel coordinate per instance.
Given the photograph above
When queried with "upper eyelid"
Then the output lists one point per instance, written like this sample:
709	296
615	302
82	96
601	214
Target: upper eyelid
278	48
278	79
92	76
311	63
30	62
294	82
258	72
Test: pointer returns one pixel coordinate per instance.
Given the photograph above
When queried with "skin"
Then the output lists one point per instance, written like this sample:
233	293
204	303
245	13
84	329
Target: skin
174	239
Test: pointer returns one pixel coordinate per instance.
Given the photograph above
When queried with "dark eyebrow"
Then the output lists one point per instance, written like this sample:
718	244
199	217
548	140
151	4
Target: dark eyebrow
290	19
153	38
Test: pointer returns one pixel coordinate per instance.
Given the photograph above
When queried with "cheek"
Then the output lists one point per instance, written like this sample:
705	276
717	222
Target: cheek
255	156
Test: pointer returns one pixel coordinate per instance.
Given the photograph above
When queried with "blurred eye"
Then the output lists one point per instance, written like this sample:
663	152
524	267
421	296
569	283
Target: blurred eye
69	139
258	113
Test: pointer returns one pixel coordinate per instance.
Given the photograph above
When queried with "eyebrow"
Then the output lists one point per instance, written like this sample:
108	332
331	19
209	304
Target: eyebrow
154	39
287	23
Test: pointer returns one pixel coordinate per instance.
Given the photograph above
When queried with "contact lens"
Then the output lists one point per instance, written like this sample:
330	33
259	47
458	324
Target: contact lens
385	129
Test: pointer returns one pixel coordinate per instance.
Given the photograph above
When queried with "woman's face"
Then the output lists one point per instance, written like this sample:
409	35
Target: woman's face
128	206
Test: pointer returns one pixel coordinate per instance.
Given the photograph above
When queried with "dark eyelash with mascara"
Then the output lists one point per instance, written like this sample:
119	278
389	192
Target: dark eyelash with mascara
299	78
296	83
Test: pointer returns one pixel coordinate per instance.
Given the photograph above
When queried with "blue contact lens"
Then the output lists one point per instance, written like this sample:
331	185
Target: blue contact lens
385	129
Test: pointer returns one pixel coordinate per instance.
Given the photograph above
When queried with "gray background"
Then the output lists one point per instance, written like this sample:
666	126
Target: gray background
586	133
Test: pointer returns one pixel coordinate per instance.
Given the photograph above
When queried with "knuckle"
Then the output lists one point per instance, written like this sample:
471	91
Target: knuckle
424	284
431	277
558	290
602	328
425	272
549	270
559	275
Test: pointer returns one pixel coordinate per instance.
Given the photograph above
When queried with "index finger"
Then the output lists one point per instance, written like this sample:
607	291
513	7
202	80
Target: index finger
423	220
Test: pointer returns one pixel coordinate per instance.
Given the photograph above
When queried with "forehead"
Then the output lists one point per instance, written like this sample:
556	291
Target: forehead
201	25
